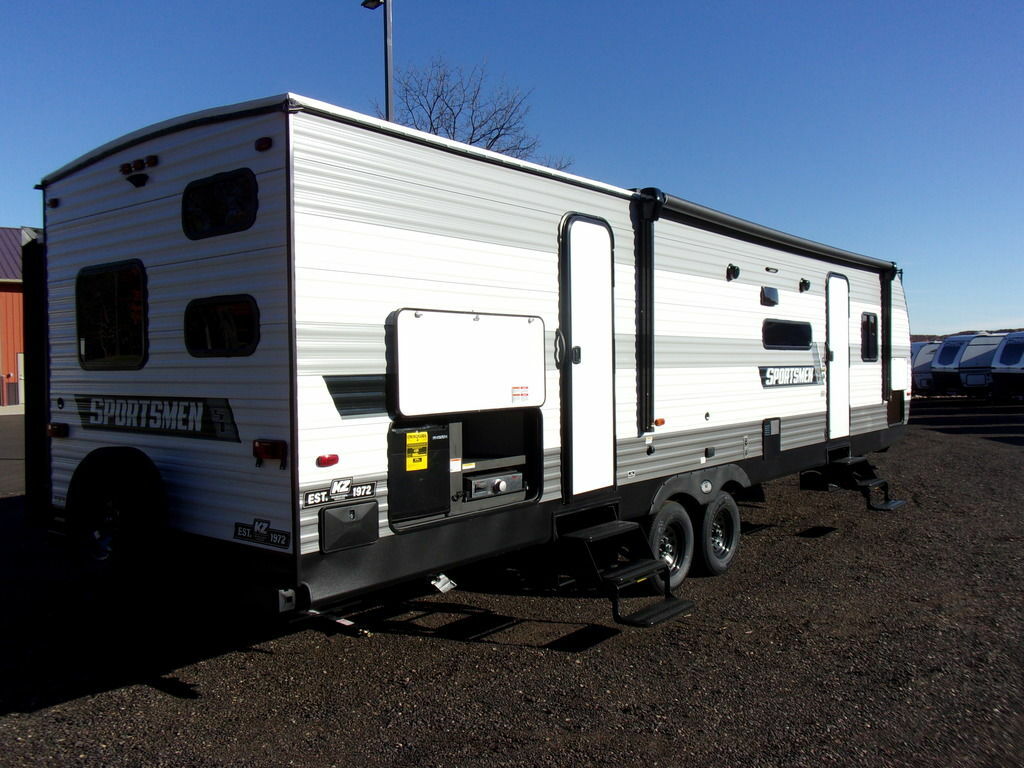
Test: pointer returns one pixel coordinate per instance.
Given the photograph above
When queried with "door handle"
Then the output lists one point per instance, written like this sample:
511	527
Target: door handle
559	348
577	355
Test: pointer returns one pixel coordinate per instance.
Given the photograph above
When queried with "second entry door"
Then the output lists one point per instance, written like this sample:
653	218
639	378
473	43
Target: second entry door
586	356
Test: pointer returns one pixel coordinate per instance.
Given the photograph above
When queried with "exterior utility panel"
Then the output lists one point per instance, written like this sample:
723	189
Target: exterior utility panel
365	353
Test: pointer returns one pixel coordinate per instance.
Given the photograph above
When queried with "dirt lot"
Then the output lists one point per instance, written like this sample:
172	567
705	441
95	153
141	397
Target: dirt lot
841	637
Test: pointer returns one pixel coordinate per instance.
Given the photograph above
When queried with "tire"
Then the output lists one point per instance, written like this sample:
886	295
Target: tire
671	538
116	507
718	536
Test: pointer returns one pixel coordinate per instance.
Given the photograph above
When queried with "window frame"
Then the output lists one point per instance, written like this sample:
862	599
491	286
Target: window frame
800	323
869	345
108	267
227	298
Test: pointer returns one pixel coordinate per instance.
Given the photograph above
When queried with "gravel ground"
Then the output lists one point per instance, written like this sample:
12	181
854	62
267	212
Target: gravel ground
840	637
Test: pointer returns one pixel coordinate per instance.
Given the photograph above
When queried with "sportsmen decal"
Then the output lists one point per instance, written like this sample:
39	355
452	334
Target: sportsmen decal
207	418
789	375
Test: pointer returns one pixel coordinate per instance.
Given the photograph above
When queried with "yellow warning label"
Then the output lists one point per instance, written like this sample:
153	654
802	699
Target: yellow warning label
415	451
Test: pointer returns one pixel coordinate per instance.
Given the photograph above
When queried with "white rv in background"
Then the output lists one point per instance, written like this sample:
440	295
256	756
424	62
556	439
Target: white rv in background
361	354
963	364
1008	367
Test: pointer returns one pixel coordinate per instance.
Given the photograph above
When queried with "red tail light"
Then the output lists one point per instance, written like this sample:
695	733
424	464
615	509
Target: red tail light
270	450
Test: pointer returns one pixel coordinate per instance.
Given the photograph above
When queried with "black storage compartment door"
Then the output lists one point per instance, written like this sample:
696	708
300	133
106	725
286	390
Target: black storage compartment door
418	469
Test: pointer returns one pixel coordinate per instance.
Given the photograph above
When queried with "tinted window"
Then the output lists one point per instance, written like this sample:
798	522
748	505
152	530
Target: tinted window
786	334
869	337
1012	353
110	312
220	204
222	326
948	353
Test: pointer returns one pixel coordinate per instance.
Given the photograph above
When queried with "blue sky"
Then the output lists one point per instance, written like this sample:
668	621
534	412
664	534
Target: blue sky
894	129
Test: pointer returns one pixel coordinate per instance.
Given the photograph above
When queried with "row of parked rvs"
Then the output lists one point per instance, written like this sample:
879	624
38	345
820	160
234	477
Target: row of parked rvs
974	364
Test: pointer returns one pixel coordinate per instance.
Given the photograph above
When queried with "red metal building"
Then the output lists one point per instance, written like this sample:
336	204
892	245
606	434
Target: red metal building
12	344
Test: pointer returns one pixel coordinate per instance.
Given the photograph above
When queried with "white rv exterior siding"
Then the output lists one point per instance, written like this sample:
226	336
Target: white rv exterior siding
381	225
100	219
708	329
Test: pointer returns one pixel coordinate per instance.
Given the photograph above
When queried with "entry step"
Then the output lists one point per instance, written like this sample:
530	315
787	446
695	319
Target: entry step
656	613
622	575
603	531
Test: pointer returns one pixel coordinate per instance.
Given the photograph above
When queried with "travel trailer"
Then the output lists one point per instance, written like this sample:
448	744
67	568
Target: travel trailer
963	364
359	354
1008	367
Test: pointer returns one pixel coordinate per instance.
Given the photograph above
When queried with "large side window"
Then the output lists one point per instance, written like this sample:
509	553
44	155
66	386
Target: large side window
111	316
869	337
220	204
222	326
786	334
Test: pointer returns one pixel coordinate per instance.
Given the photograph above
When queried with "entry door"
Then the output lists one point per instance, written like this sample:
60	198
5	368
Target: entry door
837	299
586	356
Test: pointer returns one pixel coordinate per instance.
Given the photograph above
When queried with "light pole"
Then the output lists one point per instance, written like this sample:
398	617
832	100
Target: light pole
373	5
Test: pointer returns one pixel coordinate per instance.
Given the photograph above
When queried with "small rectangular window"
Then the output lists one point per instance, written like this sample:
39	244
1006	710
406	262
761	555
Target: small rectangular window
220	204
869	337
786	334
222	326
111	315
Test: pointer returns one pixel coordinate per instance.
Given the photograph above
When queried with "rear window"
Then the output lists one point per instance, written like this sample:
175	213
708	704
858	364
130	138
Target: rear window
948	353
110	315
786	334
1012	353
220	204
222	326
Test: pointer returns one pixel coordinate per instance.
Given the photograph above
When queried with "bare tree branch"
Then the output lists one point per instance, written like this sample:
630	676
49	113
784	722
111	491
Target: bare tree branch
458	105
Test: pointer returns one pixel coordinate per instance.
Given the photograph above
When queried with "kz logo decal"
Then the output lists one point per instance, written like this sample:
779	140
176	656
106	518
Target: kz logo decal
260	532
340	490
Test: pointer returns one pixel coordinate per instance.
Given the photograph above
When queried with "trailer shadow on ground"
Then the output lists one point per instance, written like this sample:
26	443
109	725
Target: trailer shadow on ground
999	422
68	634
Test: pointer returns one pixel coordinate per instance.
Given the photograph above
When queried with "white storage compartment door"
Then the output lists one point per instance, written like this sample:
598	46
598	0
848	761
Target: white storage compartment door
451	362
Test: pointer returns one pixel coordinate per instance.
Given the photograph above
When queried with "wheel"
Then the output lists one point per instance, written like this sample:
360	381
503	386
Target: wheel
671	540
719	536
115	509
109	535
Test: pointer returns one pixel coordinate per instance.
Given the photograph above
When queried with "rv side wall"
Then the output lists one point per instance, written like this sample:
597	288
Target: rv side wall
383	224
